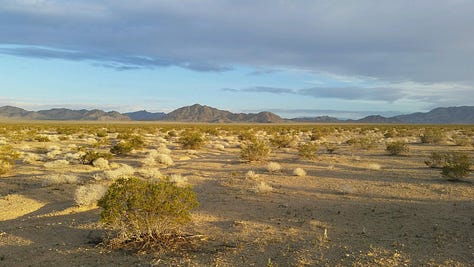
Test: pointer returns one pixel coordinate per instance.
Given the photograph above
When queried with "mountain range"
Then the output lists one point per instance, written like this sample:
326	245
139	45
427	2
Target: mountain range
200	113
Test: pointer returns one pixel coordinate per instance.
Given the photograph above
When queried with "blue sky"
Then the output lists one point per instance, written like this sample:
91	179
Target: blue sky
296	58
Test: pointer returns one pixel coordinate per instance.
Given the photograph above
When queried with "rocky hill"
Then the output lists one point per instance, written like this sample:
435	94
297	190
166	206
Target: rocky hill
144	115
449	115
200	113
64	114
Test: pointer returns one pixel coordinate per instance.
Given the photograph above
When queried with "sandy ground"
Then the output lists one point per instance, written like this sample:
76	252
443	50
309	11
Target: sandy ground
353	208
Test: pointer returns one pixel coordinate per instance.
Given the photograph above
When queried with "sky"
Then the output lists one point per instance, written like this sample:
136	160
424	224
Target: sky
297	58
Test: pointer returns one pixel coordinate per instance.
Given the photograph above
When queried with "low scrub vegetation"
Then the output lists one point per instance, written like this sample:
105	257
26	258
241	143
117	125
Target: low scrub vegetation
397	148
145	215
192	140
456	166
8	156
255	150
308	150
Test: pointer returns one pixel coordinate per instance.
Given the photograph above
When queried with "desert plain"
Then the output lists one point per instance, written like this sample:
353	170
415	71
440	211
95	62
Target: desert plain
351	204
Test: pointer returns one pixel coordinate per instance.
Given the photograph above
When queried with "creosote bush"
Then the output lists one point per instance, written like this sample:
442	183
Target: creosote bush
432	137
436	160
192	140
308	150
397	148
281	140
456	166
7	158
90	156
255	150
144	214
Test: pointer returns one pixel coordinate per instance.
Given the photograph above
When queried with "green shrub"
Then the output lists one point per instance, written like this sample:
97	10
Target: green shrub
41	138
247	136
101	133
121	148
362	143
144	213
456	166
7	158
397	148
308	150
281	140
91	155
191	140
255	150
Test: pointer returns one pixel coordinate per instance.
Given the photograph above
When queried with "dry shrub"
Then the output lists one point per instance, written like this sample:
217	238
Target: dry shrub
397	148
150	173
165	159
8	156
456	166
191	140
299	172
122	171
273	167
251	175
101	163
59	178
178	180
262	187
57	164
146	215
88	195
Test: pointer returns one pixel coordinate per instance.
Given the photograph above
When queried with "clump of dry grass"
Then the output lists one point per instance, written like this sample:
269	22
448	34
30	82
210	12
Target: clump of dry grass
165	159
101	163
123	171
88	195
262	187
179	180
57	164
273	167
150	173
58	178
299	172
251	175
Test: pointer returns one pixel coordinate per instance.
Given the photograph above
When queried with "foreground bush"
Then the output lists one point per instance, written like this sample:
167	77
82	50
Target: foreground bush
8	156
145	214
308	150
90	156
397	148
192	140
456	166
255	150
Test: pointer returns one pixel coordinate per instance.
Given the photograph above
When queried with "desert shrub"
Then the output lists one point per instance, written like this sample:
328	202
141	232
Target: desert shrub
308	150
121	148
247	136
165	159
462	141
436	160
90	156
57	164
251	175
255	150
101	133
59	178
273	167
331	148
191	140
41	138
432	137
281	140
101	163
120	172
456	166
362	143
8	156
144	213
178	180
262	187
299	172
397	148
88	195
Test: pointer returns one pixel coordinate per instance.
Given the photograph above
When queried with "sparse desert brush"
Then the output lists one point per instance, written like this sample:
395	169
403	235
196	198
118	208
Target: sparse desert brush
122	171
150	173
247	136
281	140
58	178
397	148
255	150
308	150
331	148
121	148
456	166
191	140
57	164
154	215
163	149
178	180
251	175
436	160
218	147
31	158
262	187
462	140
362	143
432	137
90	156
299	172
165	159
41	138
8	156
101	163
273	167
101	133
88	195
